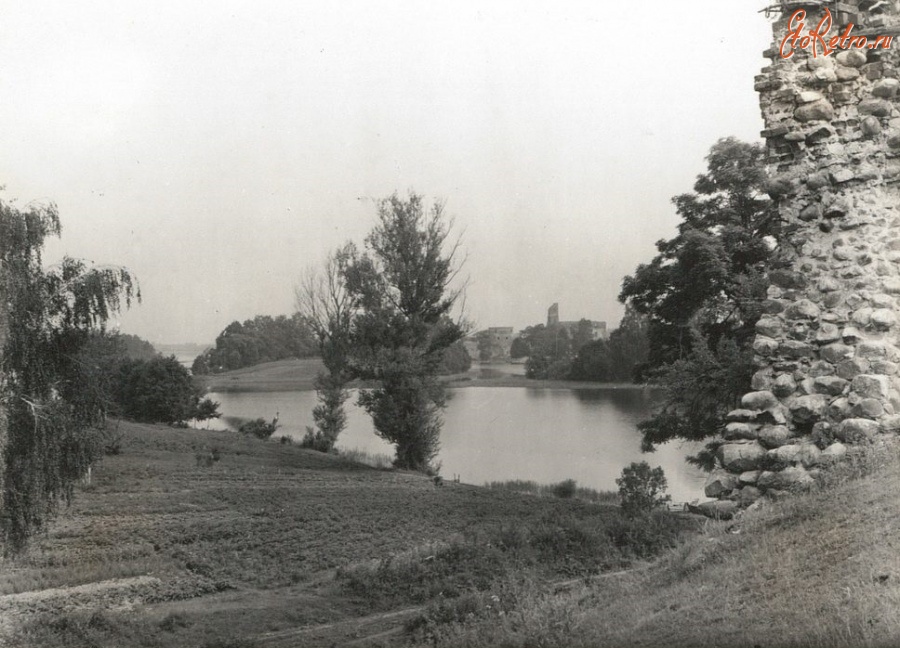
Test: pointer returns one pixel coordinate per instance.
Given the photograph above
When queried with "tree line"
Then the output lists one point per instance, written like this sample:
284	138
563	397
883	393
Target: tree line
266	339
553	352
261	339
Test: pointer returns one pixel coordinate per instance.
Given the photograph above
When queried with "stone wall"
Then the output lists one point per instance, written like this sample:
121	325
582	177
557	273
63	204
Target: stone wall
827	347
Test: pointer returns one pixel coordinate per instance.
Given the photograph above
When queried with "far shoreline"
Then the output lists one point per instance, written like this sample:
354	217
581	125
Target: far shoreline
298	375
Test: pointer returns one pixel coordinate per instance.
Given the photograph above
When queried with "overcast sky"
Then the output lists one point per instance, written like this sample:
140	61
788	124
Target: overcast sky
218	148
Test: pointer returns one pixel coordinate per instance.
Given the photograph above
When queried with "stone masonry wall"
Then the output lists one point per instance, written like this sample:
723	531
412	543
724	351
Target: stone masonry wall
827	347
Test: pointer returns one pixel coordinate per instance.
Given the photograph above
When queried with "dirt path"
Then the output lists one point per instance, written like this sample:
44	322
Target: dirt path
371	630
356	632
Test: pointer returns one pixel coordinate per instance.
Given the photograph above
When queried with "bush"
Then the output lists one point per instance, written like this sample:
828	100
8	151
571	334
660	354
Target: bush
156	391
315	440
205	458
565	489
112	445
641	488
258	428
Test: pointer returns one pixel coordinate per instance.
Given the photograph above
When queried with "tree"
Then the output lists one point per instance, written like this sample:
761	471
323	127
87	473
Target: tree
157	391
326	308
136	348
207	409
629	347
620	358
401	285
592	362
50	420
550	351
485	347
702	294
641	488
583	334
456	359
519	348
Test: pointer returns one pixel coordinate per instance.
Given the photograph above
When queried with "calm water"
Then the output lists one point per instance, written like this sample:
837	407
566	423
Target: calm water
497	433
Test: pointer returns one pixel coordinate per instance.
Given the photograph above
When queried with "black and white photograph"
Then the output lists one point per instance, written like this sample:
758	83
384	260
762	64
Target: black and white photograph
456	324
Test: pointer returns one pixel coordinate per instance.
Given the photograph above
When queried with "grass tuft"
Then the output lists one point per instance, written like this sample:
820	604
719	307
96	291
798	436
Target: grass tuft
372	459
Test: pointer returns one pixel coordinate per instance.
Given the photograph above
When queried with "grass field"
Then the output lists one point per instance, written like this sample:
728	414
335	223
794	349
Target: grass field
273	545
282	375
162	549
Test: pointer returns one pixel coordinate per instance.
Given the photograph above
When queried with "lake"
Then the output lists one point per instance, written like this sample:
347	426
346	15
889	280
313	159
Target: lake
501	433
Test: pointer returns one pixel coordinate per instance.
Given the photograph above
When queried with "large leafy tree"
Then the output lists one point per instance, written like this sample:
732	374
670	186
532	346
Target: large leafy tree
50	415
549	351
401	285
160	390
702	293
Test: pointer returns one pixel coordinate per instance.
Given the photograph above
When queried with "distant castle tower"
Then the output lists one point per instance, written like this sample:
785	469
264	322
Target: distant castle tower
553	315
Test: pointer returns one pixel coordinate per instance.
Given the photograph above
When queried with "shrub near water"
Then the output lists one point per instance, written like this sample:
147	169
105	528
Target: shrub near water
258	428
641	488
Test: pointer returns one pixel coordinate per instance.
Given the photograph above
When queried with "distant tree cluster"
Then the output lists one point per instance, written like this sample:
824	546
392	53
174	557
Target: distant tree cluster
261	339
455	359
135	347
621	358
554	353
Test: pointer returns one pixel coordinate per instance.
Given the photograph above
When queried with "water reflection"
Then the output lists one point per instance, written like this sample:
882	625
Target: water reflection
497	433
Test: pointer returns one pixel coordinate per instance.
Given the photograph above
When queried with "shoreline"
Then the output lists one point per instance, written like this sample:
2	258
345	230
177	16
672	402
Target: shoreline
233	384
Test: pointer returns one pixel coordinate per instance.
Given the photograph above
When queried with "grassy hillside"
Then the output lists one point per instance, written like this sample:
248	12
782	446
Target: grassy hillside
820	569
282	375
167	546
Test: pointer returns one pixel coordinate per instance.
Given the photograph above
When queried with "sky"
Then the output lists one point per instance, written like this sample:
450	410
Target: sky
218	149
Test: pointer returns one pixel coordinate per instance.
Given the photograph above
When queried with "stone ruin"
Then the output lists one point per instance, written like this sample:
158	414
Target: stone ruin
826	348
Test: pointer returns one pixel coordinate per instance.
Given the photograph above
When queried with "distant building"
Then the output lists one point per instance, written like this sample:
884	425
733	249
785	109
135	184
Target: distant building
495	342
501	342
553	316
598	329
